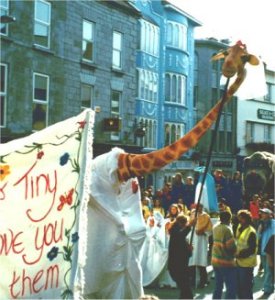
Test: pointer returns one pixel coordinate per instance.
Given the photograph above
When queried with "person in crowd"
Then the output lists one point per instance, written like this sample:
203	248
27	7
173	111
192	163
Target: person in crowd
182	207
189	192
221	184
269	250
223	258
150	191
179	252
158	194
223	205
149	199
265	231
145	208
158	207
267	204
178	187
203	229
235	189
171	216
166	198
260	224
173	212
246	256
254	209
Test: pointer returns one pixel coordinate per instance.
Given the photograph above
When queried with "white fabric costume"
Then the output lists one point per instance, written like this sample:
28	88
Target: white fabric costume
200	248
116	231
154	251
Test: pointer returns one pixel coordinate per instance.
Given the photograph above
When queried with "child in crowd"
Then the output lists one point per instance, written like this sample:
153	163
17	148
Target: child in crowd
158	207
223	206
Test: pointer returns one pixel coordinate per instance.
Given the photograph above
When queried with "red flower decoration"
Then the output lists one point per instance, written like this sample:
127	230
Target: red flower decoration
65	199
40	154
82	124
134	186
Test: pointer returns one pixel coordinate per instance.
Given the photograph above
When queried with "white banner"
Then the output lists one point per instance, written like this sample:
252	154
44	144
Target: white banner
43	198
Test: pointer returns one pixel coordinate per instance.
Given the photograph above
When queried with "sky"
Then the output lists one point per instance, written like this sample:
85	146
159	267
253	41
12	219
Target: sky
251	21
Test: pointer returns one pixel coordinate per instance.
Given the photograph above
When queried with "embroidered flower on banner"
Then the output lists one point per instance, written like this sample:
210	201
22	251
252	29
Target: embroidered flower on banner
82	124
64	159
40	154
4	171
53	253
75	237
65	199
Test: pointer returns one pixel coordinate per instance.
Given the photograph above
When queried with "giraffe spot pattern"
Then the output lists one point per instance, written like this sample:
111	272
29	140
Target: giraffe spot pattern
150	155
136	164
187	143
145	162
169	155
173	147
205	124
198	130
158	163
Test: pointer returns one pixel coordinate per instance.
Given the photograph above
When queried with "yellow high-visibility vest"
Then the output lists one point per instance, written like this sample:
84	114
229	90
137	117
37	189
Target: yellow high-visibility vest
242	243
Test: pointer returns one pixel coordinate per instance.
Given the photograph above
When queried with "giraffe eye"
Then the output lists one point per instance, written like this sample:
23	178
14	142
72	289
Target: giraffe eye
225	53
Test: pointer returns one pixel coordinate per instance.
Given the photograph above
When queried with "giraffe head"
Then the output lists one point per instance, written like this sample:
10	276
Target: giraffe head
235	58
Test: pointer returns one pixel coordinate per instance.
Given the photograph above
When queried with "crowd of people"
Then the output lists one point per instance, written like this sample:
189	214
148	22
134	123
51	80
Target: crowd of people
231	239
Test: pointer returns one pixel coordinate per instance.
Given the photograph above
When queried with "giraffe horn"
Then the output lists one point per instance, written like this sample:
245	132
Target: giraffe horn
132	165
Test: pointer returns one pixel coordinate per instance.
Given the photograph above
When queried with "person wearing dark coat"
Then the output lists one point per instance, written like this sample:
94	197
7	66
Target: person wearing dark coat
179	252
178	187
235	188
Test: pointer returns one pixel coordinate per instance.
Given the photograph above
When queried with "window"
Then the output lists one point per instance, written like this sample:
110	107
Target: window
196	96
268	96
149	140
115	111
4	7
88	40
117	50
149	40
175	88
196	69
250	137
40	101
177	35
42	23
173	132
267	133
148	85
3	95
86	95
214	96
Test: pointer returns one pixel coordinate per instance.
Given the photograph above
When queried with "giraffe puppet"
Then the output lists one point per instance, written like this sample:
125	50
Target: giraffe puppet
131	165
116	228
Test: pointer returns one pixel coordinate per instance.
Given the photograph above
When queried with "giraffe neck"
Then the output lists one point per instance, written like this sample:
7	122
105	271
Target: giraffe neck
131	165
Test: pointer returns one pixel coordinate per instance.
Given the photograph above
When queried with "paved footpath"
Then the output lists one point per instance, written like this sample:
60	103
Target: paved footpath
206	292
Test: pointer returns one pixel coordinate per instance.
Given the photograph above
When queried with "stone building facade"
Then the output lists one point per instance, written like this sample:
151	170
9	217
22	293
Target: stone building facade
60	57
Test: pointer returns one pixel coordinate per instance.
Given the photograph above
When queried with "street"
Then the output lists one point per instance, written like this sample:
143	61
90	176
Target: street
206	292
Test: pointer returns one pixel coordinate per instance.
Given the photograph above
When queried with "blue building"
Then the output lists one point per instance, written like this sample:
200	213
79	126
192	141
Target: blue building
165	68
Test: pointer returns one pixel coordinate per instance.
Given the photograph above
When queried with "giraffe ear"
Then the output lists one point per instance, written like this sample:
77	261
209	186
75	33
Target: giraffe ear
253	60
219	55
